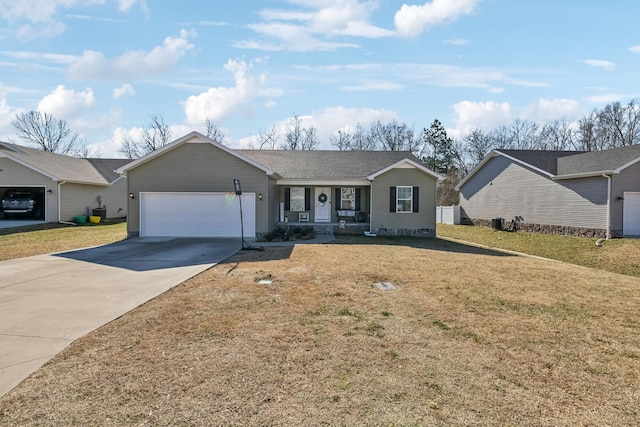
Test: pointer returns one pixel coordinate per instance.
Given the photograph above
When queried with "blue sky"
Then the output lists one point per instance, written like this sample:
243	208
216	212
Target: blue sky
108	66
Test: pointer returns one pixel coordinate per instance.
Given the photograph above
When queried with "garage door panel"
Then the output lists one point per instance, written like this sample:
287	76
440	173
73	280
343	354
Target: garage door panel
195	215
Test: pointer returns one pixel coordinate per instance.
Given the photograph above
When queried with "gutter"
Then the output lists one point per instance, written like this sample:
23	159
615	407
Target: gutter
608	232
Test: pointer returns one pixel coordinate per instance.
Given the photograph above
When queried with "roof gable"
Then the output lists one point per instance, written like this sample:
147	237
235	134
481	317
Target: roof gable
195	137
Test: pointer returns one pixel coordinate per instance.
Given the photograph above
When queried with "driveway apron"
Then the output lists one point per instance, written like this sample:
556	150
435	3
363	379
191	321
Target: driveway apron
48	301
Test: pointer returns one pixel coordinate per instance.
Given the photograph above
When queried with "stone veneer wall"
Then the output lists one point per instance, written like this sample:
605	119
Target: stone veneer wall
409	232
551	229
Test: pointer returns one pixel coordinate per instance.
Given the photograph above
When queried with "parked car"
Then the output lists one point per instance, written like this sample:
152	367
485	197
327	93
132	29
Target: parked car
21	203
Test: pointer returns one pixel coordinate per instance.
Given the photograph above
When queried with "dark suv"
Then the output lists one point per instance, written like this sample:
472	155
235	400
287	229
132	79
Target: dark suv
23	203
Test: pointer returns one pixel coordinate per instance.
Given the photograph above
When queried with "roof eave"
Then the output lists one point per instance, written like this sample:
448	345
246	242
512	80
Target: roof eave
583	175
417	165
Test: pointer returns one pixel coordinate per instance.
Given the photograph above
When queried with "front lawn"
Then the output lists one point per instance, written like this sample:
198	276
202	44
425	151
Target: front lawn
470	337
40	239
615	255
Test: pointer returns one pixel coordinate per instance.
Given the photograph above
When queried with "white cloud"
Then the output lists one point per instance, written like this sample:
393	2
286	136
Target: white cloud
634	49
307	30
598	63
6	115
327	122
56	58
132	64
606	98
484	115
31	19
65	103
125	89
457	42
373	85
491	115
411	20
218	102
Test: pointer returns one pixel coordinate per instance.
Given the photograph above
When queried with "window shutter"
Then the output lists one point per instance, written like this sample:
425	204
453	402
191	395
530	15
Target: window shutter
357	199
392	199
287	198
416	203
337	199
307	199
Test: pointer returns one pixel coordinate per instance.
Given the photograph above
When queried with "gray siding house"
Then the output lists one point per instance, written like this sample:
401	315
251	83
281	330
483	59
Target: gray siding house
561	192
64	186
187	189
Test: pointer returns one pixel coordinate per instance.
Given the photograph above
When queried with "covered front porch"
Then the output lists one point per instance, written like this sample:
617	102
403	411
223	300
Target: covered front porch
341	206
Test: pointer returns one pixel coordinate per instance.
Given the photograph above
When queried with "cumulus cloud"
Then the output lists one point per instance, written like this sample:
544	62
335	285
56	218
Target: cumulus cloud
411	20
327	122
490	115
598	63
66	103
125	89
634	49
132	64
218	102
309	28
484	115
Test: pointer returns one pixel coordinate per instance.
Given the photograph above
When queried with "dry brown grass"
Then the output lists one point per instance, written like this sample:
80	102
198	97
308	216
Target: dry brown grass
469	338
40	239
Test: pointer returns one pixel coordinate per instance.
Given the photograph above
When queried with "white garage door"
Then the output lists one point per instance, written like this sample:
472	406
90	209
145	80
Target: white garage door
631	214
196	215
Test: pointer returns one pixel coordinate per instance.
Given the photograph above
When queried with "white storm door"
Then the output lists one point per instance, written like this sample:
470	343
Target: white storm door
631	214
322	209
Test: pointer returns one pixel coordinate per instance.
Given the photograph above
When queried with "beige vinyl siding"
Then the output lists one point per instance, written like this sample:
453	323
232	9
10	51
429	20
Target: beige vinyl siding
196	167
80	199
14	174
504	189
381	217
627	180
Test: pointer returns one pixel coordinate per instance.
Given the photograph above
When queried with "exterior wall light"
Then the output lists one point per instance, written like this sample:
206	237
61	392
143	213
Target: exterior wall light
132	196
260	196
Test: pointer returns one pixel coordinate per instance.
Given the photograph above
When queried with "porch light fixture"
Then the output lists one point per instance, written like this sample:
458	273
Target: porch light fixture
620	198
49	191
260	196
132	196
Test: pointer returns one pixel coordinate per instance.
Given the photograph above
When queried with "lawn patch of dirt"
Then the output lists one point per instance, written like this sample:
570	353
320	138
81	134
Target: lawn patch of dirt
470	337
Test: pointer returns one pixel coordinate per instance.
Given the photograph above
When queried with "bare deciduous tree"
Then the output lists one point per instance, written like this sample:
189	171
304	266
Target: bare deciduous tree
45	132
214	132
156	136
269	138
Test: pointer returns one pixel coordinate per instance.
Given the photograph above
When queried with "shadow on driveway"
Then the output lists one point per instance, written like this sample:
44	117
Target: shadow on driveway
145	254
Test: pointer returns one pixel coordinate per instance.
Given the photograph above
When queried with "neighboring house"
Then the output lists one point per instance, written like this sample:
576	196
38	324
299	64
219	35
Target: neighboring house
65	186
187	189
562	192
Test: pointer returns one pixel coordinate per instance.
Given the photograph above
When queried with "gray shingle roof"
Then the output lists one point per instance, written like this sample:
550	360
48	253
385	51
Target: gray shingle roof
547	160
65	168
321	164
596	161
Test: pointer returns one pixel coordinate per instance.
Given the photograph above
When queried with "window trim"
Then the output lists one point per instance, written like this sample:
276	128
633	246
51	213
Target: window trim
352	199
398	199
297	197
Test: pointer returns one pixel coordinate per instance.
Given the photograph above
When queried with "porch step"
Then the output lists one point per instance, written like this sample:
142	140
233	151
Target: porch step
323	229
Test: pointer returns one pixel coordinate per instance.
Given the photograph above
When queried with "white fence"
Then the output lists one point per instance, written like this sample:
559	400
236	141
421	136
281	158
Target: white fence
448	214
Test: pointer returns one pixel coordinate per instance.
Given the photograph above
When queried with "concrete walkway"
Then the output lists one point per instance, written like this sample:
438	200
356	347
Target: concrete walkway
48	301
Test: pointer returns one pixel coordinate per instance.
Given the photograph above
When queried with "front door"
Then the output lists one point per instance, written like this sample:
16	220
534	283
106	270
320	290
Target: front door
323	204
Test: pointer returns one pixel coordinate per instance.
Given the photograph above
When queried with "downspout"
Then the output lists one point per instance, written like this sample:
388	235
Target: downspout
370	233
59	220
608	231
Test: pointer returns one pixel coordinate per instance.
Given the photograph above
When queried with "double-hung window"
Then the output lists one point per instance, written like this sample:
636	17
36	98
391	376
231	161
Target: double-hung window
404	199
348	198
297	199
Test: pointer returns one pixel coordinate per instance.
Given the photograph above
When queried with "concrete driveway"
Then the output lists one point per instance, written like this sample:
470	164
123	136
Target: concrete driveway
48	301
